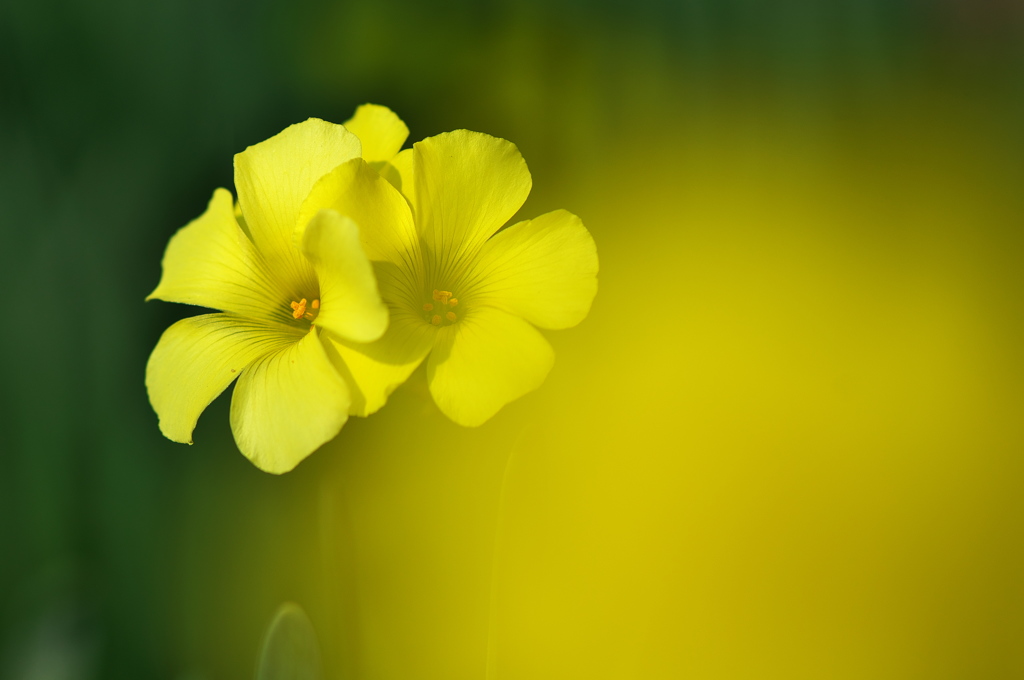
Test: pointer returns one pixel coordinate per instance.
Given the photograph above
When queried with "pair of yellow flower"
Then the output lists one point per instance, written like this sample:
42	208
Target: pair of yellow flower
345	264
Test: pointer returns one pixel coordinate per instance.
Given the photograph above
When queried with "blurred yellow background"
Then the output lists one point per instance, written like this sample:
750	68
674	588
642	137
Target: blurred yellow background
785	443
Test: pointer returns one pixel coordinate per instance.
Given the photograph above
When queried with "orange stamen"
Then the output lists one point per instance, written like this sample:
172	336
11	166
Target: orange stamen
299	309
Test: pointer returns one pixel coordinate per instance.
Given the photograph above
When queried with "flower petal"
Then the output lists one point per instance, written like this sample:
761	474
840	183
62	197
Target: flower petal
274	177
374	370
399	173
211	263
287	404
350	304
467	185
544	270
486	360
197	358
386	229
381	132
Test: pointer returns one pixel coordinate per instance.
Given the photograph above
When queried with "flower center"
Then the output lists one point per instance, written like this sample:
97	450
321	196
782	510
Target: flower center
300	311
440	310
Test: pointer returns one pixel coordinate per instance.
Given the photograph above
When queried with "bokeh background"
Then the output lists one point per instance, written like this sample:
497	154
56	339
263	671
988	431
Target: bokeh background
786	443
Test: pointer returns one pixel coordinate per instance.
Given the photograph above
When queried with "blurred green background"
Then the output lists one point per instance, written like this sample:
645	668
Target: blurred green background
786	443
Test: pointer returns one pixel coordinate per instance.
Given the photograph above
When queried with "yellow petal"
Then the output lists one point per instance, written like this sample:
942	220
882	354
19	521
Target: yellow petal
197	358
211	263
381	132
386	230
287	404
350	304
399	173
483	362
467	186
374	370
544	270
274	177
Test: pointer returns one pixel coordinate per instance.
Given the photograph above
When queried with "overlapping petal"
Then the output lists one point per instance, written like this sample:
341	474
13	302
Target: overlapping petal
211	263
386	228
467	185
273	179
380	131
350	304
197	358
399	173
485	361
287	404
374	370
544	270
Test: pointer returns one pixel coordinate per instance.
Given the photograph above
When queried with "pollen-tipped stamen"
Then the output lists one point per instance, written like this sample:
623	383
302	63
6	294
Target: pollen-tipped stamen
439	311
299	309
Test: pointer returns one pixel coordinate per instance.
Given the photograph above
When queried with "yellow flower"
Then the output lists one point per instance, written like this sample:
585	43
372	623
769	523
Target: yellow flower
281	293
461	296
